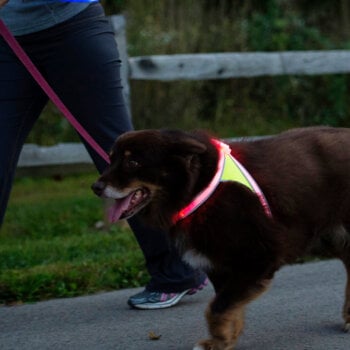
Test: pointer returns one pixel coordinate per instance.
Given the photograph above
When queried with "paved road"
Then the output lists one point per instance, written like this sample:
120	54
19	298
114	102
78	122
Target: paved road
302	311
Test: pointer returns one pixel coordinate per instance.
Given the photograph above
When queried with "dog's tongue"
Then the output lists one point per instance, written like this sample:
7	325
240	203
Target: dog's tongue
118	208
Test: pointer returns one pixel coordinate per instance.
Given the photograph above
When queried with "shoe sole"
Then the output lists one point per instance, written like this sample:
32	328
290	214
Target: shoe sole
161	304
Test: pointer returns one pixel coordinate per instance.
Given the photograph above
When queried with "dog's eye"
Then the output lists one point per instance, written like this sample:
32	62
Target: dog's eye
132	164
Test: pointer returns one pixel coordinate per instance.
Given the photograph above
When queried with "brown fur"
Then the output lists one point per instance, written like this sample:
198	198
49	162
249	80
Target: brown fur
305	176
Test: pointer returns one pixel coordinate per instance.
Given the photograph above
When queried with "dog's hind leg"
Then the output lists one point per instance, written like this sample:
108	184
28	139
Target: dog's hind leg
346	308
342	251
345	257
335	242
226	319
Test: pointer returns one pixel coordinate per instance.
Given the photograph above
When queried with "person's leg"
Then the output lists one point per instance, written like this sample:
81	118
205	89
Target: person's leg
81	63
85	74
21	101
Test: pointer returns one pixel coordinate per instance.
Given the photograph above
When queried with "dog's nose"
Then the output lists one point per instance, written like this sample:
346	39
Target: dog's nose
98	187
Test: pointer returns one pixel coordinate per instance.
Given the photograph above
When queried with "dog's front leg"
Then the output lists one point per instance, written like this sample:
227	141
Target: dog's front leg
224	329
225	317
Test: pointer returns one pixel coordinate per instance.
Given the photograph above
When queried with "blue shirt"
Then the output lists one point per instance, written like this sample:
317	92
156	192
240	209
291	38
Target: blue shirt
29	16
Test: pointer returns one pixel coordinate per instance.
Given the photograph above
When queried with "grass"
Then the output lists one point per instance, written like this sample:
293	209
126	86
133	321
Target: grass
50	246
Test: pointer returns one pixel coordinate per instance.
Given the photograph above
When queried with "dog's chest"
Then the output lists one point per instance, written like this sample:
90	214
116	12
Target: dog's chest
197	260
188	252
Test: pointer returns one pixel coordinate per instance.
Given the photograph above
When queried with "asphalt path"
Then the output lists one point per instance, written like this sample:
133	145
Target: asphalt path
301	311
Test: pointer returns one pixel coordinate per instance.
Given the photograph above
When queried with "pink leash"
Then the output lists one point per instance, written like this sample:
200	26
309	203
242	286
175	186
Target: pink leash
27	62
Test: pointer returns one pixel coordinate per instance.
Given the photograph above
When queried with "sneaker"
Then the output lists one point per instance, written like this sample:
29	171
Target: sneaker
198	288
155	300
147	300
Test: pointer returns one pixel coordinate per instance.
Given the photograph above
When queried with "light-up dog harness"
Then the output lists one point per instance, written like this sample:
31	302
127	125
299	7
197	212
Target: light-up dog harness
229	169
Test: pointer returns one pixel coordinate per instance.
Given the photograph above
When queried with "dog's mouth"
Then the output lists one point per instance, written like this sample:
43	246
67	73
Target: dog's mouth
126	207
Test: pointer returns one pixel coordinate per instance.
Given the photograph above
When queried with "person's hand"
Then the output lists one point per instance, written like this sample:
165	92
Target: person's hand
3	2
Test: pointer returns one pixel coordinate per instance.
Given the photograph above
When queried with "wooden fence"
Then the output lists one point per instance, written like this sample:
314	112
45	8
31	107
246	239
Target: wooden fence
185	67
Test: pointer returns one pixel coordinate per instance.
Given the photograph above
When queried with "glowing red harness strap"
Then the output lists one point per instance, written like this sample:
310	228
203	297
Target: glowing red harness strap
228	169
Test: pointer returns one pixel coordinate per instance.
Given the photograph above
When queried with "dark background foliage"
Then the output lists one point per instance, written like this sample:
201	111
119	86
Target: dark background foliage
231	107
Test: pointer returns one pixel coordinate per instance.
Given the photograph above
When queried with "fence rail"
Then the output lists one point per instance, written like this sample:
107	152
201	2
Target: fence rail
63	158
239	65
189	67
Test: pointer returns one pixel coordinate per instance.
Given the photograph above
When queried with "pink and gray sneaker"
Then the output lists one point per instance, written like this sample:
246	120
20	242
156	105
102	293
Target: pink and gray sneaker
147	300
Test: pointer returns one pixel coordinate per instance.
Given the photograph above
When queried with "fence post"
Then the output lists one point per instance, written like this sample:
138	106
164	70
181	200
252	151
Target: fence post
119	27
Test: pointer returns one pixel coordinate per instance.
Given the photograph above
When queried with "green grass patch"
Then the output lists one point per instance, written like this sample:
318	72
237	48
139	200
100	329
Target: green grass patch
50	247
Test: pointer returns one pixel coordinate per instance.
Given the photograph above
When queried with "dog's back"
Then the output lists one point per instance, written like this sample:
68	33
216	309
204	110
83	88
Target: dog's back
302	169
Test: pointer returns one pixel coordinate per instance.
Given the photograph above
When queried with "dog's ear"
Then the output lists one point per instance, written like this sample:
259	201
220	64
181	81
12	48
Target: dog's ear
184	143
189	145
188	149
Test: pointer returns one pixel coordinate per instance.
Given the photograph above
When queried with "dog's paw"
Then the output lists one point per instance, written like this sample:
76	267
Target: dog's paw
347	327
211	344
198	347
204	345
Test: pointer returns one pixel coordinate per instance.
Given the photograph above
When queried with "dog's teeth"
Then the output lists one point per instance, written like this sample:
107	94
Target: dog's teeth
137	196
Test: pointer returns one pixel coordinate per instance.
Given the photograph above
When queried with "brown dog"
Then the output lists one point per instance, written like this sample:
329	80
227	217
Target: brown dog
242	227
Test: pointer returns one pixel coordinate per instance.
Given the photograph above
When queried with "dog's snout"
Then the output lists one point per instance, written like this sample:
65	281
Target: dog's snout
98	187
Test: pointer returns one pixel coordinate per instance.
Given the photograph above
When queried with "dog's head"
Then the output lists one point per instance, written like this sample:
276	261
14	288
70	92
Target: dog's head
155	172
